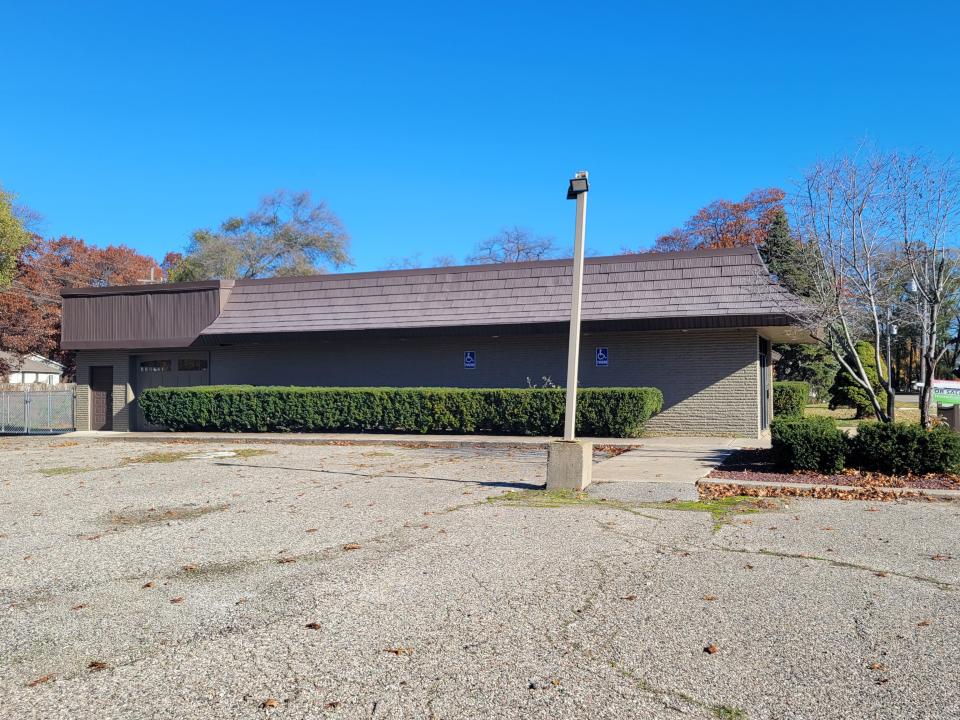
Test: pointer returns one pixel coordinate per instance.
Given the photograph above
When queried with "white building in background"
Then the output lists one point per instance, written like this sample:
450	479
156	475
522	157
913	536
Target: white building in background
31	369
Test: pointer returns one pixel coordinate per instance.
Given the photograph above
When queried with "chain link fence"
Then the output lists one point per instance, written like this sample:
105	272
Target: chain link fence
36	412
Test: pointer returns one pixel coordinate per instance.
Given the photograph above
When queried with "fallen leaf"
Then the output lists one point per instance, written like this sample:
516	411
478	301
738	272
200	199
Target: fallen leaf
189	568
285	560
270	703
81	606
176	600
148	585
630	597
709	598
880	574
399	651
876	666
312	530
711	649
352	546
938	556
96	665
748	567
923	623
333	705
312	626
40	680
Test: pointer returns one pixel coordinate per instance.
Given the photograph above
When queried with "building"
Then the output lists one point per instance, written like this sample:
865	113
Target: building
697	324
31	369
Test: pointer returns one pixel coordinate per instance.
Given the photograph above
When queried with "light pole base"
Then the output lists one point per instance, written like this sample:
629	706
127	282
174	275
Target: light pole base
569	465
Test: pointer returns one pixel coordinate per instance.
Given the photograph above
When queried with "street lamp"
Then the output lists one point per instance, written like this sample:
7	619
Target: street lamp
570	462
579	186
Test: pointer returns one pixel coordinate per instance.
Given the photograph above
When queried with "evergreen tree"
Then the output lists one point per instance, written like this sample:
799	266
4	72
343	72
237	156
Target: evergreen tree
847	393
784	255
812	364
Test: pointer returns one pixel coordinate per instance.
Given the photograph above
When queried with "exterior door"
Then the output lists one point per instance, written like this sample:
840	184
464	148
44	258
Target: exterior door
764	384
101	398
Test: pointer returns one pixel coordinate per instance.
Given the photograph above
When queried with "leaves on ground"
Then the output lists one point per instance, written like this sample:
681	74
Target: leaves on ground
97	665
312	626
148	585
398	651
711	649
709	598
269	703
40	680
176	600
352	546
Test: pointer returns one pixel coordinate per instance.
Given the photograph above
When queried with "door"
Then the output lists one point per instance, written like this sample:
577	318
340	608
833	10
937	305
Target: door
101	398
764	384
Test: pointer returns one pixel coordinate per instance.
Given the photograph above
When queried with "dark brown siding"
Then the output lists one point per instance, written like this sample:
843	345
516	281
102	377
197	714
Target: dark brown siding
139	318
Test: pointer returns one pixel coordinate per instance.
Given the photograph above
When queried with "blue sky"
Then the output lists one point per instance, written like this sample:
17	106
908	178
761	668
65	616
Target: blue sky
429	126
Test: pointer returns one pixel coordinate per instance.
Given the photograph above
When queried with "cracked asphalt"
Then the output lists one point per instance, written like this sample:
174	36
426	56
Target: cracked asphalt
386	582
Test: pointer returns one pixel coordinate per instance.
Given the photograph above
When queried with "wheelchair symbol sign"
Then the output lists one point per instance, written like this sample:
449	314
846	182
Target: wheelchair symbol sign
470	359
603	357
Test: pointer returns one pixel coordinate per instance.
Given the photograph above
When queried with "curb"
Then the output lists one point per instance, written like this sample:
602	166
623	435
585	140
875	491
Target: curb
753	488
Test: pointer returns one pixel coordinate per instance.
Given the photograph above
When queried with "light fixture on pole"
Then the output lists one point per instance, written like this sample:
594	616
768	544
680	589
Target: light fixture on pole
569	461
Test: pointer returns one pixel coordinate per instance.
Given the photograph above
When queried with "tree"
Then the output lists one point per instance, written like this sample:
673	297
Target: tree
14	236
783	254
846	392
288	234
411	262
513	245
724	224
842	216
811	364
30	310
925	196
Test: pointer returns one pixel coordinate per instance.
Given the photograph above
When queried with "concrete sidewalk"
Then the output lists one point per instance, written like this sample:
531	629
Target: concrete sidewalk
664	468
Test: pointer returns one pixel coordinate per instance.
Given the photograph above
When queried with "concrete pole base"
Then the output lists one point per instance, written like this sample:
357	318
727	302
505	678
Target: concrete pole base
569	465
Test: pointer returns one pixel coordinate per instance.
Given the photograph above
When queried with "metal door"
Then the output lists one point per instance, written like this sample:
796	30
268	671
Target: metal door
764	383
168	370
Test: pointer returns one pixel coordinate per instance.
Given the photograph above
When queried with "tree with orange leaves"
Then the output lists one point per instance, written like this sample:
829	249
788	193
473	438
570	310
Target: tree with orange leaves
724	223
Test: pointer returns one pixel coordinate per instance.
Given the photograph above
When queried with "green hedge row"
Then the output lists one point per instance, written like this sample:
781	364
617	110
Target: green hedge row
815	443
601	412
790	398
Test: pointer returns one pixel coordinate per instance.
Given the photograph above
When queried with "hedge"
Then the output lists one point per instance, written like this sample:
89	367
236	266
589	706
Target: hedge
812	443
905	448
601	412
790	398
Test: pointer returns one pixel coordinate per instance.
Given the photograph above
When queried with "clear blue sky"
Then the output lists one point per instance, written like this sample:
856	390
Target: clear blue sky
429	126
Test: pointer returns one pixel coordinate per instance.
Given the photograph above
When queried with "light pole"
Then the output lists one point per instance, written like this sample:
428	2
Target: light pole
892	395
913	288
579	187
570	461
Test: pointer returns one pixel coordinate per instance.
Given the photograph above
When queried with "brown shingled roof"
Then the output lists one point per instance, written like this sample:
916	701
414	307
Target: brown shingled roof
701	283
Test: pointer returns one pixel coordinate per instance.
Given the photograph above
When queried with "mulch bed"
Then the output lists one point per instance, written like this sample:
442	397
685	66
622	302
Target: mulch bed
757	465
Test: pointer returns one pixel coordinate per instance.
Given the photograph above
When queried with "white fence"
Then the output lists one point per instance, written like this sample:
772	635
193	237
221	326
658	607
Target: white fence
46	410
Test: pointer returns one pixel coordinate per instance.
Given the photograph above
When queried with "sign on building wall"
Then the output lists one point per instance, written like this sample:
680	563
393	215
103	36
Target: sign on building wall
470	359
603	357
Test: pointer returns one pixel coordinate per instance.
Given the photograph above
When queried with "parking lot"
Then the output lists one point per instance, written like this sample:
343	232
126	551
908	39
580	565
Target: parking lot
173	580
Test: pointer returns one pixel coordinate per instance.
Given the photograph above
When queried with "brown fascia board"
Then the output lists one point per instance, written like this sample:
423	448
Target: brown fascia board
147	288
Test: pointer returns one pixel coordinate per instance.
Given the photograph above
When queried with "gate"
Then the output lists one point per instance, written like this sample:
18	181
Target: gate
36	412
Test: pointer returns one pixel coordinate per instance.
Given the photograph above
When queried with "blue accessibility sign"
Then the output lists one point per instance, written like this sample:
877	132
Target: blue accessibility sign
470	359
603	357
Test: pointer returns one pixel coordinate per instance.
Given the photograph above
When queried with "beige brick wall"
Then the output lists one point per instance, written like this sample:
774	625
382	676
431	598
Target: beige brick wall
122	390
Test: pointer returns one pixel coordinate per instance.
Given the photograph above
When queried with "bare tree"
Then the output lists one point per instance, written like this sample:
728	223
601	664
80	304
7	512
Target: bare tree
843	215
412	262
513	245
926	198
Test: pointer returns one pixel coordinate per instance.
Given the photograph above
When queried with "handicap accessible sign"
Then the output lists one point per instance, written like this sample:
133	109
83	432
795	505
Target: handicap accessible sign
470	359
603	357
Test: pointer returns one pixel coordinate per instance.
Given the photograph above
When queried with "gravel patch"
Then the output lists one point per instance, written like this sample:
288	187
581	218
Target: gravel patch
386	582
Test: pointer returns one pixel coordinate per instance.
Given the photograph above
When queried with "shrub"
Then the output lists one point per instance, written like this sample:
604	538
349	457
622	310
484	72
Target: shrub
812	443
601	412
905	448
790	398
847	393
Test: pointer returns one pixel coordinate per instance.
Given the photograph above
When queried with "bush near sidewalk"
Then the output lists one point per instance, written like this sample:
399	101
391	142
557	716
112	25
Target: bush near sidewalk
905	448
601	412
790	398
813	443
